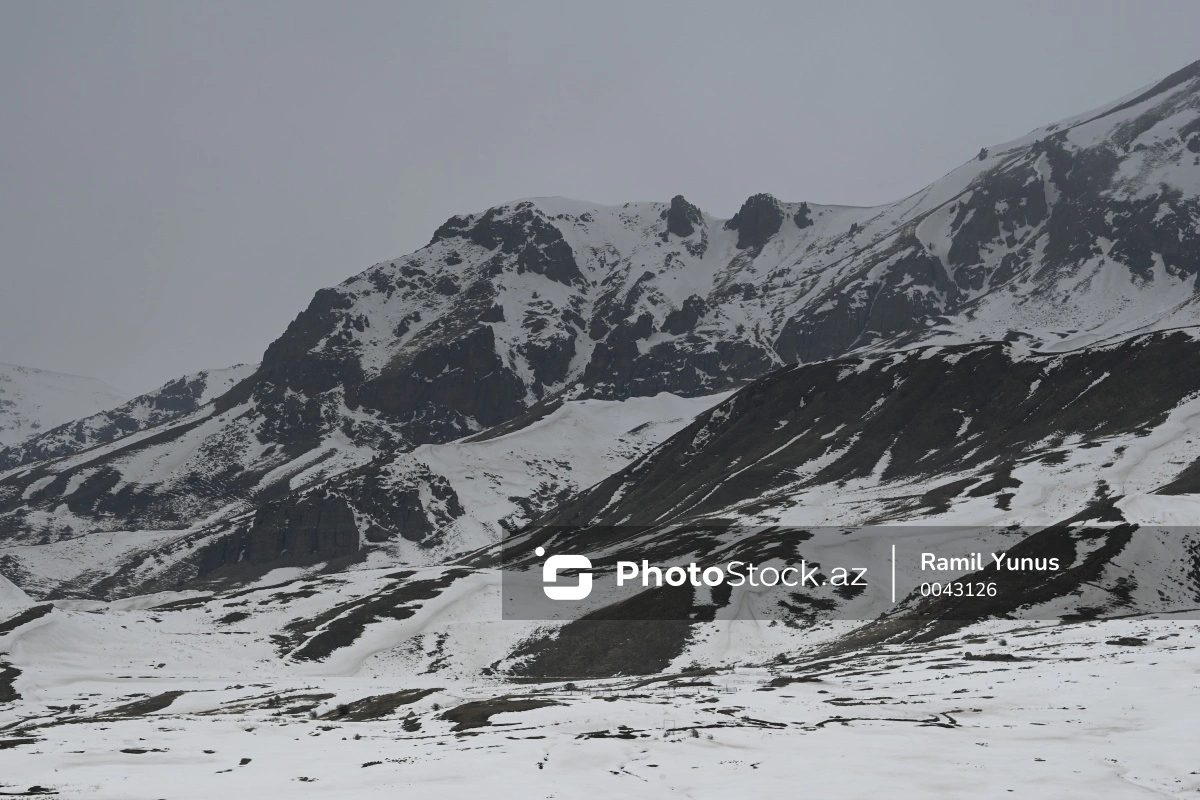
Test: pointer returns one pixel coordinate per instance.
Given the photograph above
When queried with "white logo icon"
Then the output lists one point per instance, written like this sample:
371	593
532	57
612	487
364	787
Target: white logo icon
556	564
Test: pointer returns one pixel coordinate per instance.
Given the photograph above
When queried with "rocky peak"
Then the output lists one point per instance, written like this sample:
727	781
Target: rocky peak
757	220
522	231
682	217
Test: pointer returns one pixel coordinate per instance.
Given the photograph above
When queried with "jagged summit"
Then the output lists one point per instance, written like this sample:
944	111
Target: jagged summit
682	217
756	221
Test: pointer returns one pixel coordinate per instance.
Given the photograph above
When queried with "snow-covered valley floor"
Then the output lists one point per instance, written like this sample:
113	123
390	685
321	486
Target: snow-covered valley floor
1105	709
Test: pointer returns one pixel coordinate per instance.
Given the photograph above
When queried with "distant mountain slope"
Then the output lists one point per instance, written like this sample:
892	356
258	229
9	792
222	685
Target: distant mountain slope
35	400
171	400
1083	231
445	498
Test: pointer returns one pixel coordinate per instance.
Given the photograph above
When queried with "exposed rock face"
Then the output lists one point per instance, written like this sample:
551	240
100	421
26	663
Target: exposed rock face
684	319
296	533
759	218
537	244
911	284
682	217
457	384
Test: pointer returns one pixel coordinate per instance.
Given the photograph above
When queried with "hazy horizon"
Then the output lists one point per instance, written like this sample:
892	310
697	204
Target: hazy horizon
180	179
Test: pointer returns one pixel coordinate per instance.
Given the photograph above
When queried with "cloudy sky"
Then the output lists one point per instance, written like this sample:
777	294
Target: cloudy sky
177	179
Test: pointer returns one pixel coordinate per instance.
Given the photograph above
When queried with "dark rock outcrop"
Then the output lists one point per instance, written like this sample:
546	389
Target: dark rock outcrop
683	320
538	245
293	533
803	217
759	218
682	217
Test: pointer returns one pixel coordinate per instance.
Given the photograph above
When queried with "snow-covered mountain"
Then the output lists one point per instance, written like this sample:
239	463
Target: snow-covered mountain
1081	232
34	400
446	499
87	430
1005	361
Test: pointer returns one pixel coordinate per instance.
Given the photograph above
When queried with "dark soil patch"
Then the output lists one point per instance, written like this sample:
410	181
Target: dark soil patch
7	743
293	704
8	677
180	605
638	636
377	706
993	657
1127	641
343	624
477	713
25	617
140	708
32	791
622	732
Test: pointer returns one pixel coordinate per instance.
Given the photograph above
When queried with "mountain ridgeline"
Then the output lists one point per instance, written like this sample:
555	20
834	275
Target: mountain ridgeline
1078	235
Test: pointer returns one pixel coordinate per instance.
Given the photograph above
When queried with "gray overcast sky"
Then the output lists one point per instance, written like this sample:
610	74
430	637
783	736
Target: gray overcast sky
177	179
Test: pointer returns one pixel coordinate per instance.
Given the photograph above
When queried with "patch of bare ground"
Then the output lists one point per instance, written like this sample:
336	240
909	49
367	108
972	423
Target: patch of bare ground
376	706
476	714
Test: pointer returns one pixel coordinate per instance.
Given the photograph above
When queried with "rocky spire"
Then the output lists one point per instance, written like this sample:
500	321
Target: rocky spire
682	217
757	221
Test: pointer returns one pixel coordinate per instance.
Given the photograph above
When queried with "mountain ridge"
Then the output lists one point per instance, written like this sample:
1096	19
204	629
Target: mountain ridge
511	311
32	400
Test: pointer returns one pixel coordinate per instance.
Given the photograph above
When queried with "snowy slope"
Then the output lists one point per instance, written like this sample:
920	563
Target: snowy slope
507	481
35	400
1004	438
446	499
171	400
986	434
12	599
169	696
